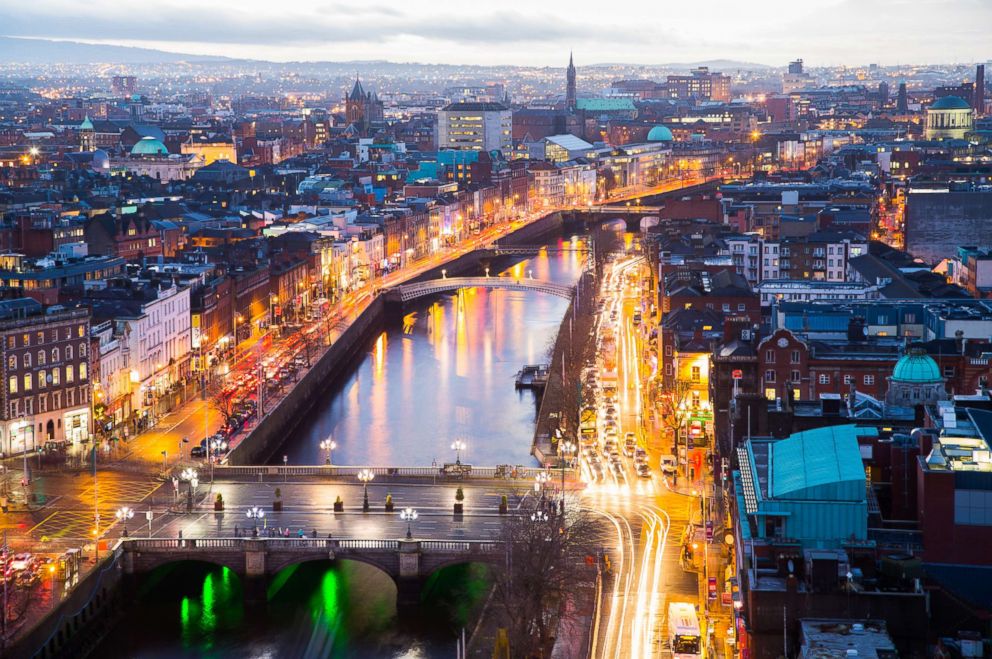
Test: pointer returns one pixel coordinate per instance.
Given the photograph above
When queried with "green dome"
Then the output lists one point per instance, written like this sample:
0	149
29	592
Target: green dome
916	367
950	103
149	146
660	134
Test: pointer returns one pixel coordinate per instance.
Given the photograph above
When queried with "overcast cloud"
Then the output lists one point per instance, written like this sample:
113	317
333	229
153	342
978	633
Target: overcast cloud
530	32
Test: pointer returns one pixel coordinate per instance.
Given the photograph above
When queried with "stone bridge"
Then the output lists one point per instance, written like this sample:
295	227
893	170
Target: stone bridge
407	292
408	562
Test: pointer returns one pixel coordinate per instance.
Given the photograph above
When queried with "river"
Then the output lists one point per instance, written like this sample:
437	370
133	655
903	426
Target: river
442	373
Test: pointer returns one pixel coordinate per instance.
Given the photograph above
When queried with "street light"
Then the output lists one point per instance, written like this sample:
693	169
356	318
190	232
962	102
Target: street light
458	446
123	514
541	478
365	475
328	445
192	477
565	448
539	516
408	515
254	514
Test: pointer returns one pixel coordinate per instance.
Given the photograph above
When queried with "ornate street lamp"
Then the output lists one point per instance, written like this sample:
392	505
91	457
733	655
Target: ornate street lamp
123	514
408	515
365	475
254	514
328	445
458	446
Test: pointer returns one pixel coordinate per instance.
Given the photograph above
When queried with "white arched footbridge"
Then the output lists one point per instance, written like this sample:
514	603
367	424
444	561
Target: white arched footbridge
407	292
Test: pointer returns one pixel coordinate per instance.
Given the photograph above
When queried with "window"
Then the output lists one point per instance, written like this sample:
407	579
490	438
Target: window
824	379
14	411
29	405
909	318
668	370
769	356
70	397
57	400
82	349
12	362
883	320
770	393
770	375
41	358
869	379
795	356
795	394
25	339
69	373
695	374
55	376
41	337
28	381
68	352
848	379
948	371
82	371
42	375
11	342
55	354
27	360
795	376
668	351
12	385
726	307
42	403
741	307
81	331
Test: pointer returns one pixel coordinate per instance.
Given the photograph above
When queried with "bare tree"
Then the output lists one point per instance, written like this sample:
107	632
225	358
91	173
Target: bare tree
674	394
546	547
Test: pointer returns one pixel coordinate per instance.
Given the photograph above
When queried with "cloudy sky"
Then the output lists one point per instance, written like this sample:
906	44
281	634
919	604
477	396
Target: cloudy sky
528	32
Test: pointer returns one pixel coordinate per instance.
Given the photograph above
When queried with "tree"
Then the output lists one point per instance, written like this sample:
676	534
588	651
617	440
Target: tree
674	395
545	549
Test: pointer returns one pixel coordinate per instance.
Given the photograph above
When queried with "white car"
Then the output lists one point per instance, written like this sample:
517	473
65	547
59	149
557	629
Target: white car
668	465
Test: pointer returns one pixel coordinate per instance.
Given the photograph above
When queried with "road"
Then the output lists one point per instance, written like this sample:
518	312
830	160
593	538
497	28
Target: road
648	516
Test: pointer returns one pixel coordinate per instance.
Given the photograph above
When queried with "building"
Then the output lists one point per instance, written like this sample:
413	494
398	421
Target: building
47	279
700	85
800	290
475	126
46	393
570	85
950	117
362	108
123	85
210	149
150	157
916	380
938	221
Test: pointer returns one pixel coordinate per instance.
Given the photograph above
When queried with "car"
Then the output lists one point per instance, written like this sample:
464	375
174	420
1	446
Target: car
198	451
640	454
629	444
643	470
668	464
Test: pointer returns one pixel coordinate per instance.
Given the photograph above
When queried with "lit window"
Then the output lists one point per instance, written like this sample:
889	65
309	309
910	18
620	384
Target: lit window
69	373
12	385
42	375
82	371
28	381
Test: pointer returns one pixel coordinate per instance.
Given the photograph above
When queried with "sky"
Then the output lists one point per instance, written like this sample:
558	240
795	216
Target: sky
526	32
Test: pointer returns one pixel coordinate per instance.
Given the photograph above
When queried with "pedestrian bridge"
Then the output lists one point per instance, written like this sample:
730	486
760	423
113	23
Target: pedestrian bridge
409	562
525	250
407	292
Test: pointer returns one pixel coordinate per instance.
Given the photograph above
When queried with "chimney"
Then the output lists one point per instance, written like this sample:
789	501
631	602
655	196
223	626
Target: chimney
979	99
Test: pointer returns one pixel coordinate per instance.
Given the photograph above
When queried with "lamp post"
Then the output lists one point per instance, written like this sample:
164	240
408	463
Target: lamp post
539	516
328	445
541	478
565	448
458	446
365	475
254	514
408	515
123	514
192	477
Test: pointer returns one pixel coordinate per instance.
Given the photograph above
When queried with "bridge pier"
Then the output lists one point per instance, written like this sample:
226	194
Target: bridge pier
255	589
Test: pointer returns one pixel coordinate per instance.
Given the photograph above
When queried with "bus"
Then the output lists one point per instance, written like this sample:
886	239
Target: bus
683	631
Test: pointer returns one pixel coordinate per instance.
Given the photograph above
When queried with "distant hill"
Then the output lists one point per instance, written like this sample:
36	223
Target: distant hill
713	64
44	51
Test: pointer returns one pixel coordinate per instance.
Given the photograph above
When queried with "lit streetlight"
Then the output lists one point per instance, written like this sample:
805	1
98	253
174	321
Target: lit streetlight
458	446
566	450
193	478
328	445
365	475
539	516
254	514
123	514
408	515
542	478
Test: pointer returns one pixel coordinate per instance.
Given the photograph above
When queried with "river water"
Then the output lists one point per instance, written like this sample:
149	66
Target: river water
443	372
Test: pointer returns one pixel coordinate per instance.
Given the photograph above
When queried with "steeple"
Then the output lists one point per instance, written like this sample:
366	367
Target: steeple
570	84
357	93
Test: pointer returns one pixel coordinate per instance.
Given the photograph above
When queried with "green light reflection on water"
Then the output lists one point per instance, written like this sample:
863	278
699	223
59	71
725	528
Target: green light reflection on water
200	616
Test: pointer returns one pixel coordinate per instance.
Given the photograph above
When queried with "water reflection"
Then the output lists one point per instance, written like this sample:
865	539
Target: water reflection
445	371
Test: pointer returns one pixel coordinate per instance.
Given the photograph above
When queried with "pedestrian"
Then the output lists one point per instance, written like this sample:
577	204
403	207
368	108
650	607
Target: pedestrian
286	532
314	534
299	534
235	530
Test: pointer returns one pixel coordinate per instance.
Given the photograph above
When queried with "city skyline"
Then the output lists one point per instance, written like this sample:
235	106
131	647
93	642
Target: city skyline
773	33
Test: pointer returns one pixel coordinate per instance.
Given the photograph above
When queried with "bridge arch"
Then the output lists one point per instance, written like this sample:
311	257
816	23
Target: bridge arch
412	291
277	565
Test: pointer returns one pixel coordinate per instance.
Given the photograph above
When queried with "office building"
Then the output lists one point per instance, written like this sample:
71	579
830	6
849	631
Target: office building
475	126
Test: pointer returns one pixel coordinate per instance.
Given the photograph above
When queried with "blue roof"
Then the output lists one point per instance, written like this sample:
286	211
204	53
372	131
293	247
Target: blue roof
950	103
824	463
605	104
149	146
916	367
660	134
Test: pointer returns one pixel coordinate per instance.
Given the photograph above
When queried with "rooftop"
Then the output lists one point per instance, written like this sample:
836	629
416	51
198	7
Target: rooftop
831	638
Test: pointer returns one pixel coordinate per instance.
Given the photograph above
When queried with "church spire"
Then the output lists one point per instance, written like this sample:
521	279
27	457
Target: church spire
570	84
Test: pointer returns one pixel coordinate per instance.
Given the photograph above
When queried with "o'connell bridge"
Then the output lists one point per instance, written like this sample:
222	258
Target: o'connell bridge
409	562
407	292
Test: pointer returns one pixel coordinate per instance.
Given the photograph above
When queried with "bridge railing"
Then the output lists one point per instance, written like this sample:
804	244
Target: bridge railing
465	472
345	545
